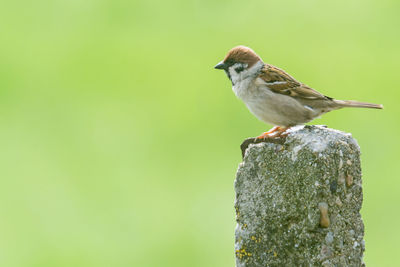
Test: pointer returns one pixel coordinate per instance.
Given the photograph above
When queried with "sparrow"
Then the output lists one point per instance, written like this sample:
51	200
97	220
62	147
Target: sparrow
274	96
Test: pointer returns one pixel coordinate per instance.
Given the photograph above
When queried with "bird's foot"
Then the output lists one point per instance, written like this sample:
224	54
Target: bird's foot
274	133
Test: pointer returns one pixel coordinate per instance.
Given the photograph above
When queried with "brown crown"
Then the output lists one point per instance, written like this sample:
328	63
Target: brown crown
242	54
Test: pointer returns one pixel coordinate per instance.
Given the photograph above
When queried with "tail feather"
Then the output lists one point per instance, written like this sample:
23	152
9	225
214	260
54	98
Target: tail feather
357	104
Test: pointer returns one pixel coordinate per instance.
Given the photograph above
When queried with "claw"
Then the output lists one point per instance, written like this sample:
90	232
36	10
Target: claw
274	132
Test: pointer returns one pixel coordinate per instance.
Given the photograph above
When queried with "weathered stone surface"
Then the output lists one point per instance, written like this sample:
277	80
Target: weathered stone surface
298	201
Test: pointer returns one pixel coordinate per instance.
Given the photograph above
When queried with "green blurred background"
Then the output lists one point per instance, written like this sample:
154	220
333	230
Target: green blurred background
119	142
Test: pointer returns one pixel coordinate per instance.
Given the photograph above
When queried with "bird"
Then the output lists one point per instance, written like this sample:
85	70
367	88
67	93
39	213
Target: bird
274	96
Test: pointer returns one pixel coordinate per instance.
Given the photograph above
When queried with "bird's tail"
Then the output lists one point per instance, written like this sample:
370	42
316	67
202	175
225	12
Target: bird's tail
357	104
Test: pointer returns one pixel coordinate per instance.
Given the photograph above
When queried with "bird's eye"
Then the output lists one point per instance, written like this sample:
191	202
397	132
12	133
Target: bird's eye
239	69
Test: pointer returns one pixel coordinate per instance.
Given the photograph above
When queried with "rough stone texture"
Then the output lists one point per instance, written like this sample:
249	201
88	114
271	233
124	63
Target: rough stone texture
298	201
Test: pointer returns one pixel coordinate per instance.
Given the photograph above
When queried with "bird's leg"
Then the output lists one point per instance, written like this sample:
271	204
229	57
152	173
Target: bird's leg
282	132
267	134
274	132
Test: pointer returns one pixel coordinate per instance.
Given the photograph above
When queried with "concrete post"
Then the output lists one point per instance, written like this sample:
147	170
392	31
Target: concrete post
298	201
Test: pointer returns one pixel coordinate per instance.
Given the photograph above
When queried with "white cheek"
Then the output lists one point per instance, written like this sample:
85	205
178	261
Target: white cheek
234	75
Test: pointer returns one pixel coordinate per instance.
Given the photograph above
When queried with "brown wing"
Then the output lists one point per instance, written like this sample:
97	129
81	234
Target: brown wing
281	82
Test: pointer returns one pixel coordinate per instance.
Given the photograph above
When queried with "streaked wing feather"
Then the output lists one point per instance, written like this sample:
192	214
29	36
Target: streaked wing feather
280	82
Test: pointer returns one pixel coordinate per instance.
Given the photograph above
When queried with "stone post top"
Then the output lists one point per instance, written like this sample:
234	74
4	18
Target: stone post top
316	138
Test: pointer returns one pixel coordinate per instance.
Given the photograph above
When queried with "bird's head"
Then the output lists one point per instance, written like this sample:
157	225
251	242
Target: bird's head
239	63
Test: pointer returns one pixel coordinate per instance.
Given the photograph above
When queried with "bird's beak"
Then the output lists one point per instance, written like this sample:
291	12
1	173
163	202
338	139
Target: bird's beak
220	66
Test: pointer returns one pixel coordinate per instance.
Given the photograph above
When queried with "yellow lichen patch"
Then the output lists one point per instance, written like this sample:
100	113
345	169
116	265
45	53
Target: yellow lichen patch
273	252
255	239
240	253
244	226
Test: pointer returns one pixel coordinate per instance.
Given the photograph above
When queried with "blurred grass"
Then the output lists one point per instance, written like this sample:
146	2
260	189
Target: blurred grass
119	142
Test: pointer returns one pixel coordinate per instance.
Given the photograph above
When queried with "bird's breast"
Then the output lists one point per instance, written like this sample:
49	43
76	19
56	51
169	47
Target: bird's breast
271	107
245	89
